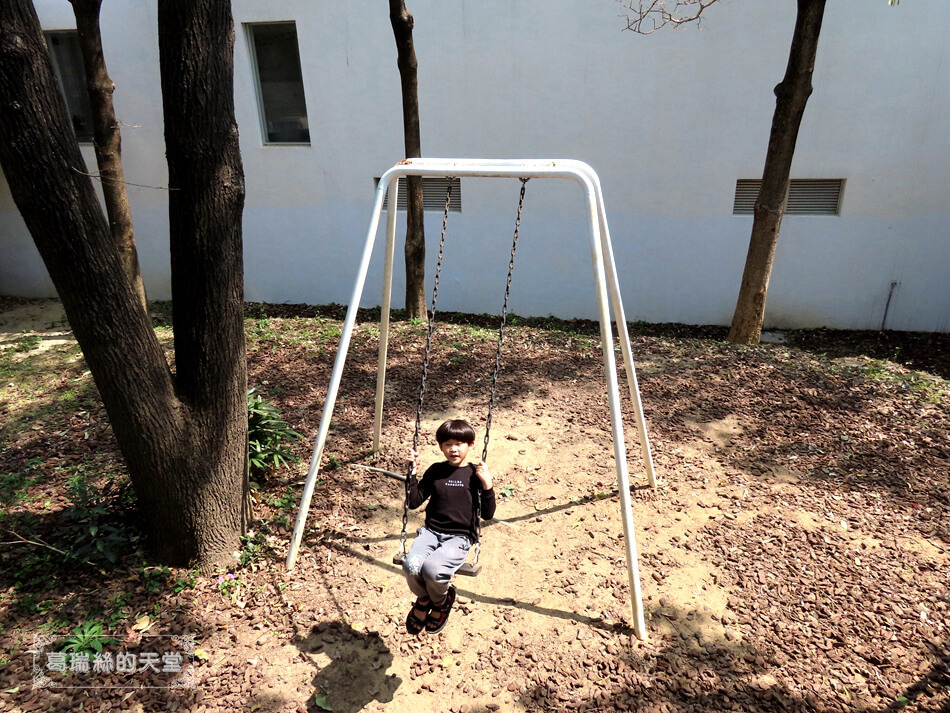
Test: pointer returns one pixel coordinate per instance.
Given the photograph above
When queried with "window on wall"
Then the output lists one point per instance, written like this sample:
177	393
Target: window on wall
806	196
280	94
71	74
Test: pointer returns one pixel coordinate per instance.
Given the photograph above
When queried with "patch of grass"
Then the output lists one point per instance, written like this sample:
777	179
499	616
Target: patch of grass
30	387
482	334
262	329
27	343
884	371
323	331
13	488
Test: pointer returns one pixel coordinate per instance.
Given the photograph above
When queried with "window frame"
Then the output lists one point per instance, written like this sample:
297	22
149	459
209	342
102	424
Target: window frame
58	71
249	28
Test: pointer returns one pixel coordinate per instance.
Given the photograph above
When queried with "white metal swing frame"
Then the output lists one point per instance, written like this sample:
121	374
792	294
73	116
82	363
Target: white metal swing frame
607	294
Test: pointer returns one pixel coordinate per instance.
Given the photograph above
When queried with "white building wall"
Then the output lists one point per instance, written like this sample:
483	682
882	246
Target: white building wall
669	121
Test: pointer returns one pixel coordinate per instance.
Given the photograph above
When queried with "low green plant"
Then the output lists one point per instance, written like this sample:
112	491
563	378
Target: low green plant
228	584
93	536
268	435
31	604
287	501
117	611
88	638
187	582
252	550
154	578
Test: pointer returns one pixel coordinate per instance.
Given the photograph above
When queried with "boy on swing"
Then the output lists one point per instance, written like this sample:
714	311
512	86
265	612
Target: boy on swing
442	544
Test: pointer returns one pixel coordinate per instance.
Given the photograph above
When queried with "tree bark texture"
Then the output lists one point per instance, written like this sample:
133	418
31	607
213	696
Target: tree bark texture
791	96
415	250
107	140
184	442
206	200
50	185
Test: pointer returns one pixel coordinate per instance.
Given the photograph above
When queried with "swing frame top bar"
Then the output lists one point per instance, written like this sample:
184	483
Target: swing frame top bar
607	294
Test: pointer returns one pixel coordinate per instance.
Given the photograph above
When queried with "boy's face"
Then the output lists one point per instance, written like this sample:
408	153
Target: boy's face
455	452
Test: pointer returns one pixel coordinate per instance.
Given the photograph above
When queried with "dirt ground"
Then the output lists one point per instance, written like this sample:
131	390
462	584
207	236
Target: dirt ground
793	556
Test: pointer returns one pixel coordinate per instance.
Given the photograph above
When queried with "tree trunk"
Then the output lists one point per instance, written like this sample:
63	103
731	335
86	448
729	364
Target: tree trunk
415	251
791	96
185	451
107	140
206	200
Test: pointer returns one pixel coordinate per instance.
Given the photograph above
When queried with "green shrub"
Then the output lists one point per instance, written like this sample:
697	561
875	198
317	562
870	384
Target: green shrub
269	437
94	532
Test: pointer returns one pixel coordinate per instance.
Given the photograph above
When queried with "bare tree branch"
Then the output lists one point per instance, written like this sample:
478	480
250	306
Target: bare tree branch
650	15
40	543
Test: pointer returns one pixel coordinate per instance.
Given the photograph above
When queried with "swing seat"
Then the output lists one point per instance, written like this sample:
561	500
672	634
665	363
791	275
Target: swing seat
469	569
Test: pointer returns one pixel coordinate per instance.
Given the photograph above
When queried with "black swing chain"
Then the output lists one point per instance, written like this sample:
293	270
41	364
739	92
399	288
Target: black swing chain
501	339
504	319
425	361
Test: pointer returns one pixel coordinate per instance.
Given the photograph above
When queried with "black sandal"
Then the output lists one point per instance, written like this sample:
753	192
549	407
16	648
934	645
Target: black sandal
415	625
439	614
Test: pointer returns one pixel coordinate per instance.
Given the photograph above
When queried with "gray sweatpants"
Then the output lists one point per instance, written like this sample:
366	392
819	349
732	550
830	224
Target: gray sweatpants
432	561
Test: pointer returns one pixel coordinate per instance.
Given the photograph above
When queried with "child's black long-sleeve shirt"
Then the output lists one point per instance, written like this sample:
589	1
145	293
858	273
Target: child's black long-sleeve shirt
451	493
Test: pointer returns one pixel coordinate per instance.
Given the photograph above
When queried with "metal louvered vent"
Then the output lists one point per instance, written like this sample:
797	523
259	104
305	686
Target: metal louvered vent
433	194
806	196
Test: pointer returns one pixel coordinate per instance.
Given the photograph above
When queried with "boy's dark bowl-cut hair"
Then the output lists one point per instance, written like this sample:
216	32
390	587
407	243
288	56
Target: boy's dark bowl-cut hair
455	430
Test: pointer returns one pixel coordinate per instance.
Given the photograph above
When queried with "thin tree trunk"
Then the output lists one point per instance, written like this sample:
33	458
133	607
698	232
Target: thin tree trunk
184	443
107	140
415	251
791	96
